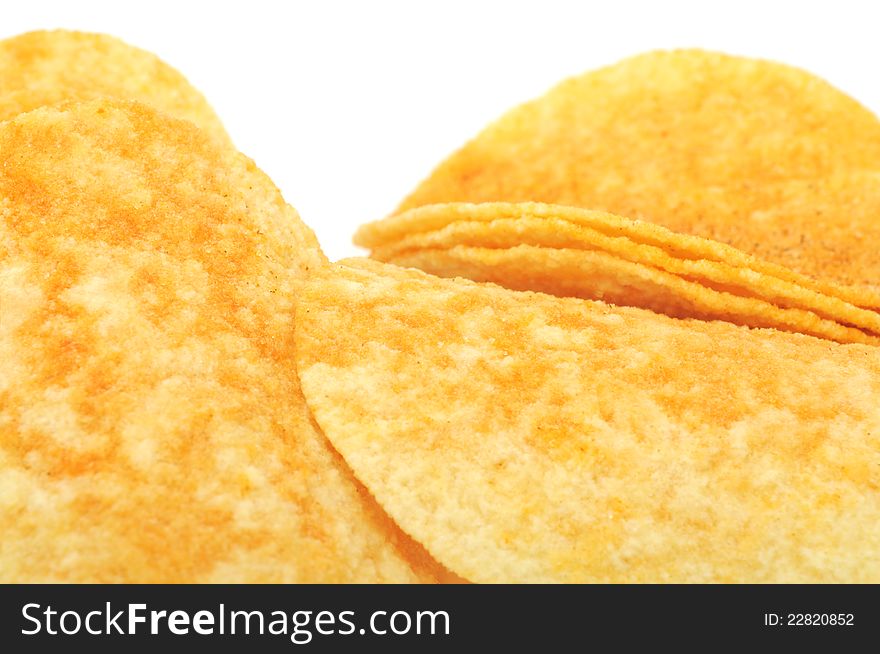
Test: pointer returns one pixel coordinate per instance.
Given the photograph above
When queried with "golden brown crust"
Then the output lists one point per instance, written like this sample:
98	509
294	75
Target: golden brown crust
524	437
50	67
152	427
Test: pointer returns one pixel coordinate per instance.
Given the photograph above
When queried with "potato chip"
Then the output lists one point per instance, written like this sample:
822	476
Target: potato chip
527	438
50	67
605	229
589	254
152	426
597	275
701	143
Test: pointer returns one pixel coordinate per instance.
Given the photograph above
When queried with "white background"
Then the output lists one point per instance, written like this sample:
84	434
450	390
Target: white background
348	105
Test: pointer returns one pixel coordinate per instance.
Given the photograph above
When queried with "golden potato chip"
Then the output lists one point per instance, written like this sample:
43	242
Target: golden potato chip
152	426
596	275
605	229
595	255
700	142
524	437
49	67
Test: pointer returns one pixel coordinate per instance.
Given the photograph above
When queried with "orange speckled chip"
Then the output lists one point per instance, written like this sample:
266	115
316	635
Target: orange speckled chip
50	67
751	153
152	426
590	254
528	438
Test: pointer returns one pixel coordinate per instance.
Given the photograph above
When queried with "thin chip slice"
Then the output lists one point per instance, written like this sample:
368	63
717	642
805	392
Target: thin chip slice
600	276
700	142
396	230
50	67
422	233
152	426
524	437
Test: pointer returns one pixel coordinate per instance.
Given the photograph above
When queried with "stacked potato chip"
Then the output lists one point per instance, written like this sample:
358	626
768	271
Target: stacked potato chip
526	437
191	392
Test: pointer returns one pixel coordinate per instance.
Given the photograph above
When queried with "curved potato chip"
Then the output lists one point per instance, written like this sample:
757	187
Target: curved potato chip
50	67
697	261
524	437
595	275
699	142
432	218
152	426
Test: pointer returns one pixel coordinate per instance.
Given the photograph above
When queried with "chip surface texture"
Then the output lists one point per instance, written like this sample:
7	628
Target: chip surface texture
527	438
50	67
759	155
152	426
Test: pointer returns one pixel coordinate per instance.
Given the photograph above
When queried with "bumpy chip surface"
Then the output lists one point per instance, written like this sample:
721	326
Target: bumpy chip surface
152	426
50	67
590	254
523	437
702	143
